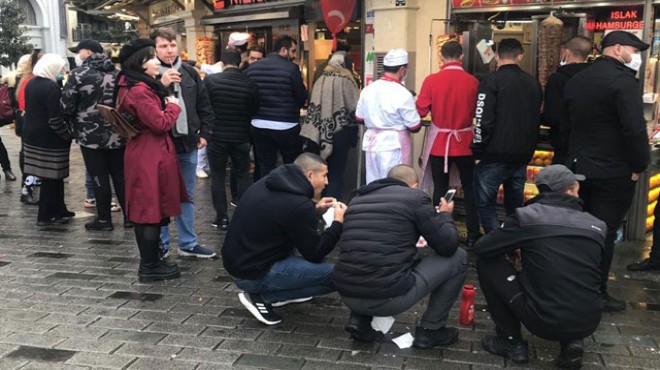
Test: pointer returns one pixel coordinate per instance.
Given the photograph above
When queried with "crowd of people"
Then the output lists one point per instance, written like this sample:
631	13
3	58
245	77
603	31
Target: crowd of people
545	267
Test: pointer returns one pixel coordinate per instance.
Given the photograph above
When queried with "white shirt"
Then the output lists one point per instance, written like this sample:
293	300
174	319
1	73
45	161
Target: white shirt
387	108
273	125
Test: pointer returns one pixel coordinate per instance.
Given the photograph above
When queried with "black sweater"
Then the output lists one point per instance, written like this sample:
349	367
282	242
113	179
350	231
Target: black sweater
608	135
561	250
235	99
377	246
275	217
507	117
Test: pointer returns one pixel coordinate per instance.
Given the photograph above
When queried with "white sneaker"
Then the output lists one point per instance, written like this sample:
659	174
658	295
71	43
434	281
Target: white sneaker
114	207
297	300
202	175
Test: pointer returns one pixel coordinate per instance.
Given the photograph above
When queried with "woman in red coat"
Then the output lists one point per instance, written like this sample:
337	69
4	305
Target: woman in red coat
154	186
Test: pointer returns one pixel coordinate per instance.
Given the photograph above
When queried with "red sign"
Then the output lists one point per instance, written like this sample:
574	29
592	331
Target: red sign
618	20
337	14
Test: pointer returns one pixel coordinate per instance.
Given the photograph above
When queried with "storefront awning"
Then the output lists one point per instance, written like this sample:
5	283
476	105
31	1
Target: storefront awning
284	9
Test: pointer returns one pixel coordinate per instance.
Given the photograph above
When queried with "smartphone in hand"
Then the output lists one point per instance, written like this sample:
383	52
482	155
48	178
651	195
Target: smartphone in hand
449	196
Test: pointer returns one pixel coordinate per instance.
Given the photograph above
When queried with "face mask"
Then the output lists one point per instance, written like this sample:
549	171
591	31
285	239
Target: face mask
79	61
60	76
562	63
635	63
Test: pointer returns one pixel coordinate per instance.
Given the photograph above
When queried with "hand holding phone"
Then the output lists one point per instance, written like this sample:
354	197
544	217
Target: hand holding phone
449	196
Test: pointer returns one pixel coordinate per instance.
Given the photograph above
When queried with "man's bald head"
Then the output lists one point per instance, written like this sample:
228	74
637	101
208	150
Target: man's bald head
405	173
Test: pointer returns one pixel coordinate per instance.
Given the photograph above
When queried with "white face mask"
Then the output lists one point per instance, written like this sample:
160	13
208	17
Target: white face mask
635	62
562	63
78	60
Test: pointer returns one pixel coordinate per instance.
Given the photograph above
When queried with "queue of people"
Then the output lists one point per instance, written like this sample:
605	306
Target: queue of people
529	268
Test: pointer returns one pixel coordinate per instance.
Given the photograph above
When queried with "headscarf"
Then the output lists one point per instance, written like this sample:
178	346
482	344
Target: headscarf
338	59
49	66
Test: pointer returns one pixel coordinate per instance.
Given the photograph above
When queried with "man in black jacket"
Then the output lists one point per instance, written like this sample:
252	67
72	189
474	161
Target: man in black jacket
378	273
505	134
608	142
191	132
577	51
557	294
276	126
235	99
276	217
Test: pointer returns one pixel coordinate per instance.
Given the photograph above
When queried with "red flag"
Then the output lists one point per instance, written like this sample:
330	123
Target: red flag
337	14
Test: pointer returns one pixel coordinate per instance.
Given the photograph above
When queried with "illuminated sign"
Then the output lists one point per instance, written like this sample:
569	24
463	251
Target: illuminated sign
618	20
223	4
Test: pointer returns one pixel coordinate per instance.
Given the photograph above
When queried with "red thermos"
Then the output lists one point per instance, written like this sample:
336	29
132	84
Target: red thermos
467	305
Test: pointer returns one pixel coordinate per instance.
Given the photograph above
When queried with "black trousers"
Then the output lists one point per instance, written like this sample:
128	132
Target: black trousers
101	165
269	142
342	142
240	168
465	166
508	306
608	200
51	199
4	157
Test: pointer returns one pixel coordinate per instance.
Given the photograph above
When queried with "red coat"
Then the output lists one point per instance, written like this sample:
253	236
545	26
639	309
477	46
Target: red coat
154	185
451	96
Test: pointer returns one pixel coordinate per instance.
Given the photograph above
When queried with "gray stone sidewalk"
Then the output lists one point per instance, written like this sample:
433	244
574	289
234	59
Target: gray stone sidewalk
70	299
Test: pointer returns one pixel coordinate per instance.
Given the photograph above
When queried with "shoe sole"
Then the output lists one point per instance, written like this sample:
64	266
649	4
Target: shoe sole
99	229
292	301
183	253
506	354
254	311
150	278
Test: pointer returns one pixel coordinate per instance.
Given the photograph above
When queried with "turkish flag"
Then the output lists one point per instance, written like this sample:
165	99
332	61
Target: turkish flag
337	14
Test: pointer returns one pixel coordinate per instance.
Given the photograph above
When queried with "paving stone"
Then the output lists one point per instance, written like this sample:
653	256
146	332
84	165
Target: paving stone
112	323
36	340
606	348
26	327
6	348
59	308
164	327
226	322
101	360
216	357
159	364
269	336
231	333
429	364
357	357
392	349
190	341
317	365
473	358
625	340
148	350
69	319
636	362
87	345
36	365
646	352
270	362
310	353
20	315
109	312
12	364
41	354
246	346
134	336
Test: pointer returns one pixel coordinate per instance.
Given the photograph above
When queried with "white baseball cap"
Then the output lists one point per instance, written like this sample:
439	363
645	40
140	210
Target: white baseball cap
395	58
238	39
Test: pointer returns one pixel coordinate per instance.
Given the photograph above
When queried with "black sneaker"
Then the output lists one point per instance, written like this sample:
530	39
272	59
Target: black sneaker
514	349
359	326
222	224
644	265
68	214
158	271
53	221
10	175
99	225
611	304
427	338
570	356
259	309
29	199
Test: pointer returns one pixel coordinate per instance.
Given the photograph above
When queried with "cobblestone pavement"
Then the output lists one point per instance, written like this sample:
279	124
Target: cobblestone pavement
70	299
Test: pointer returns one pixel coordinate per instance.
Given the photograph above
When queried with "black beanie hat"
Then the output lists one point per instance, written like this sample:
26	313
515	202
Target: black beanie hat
132	46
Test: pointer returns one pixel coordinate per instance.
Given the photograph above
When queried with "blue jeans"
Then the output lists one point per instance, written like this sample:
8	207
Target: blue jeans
185	223
291	278
487	180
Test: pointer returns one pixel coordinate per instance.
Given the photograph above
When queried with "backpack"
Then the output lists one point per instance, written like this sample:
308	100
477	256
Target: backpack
6	109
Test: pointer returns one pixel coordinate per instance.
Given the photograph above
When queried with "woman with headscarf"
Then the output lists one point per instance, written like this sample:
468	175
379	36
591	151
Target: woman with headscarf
330	129
46	139
154	185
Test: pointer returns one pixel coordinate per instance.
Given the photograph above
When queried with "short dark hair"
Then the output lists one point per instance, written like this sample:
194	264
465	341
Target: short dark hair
135	61
343	45
310	162
163	32
258	49
509	48
451	50
580	46
284	42
231	57
393	69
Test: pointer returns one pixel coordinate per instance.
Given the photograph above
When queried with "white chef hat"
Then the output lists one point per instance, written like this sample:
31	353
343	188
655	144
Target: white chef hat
395	58
238	39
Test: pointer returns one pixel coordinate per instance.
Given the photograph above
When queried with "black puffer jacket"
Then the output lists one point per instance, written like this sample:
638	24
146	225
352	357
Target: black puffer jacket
90	84
507	117
235	99
608	135
377	245
561	249
276	216
281	89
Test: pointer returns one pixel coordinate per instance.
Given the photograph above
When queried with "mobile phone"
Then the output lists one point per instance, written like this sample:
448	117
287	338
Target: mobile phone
449	196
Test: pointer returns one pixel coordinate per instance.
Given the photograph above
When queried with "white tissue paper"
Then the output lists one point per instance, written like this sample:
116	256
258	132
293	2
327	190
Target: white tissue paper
382	324
404	341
